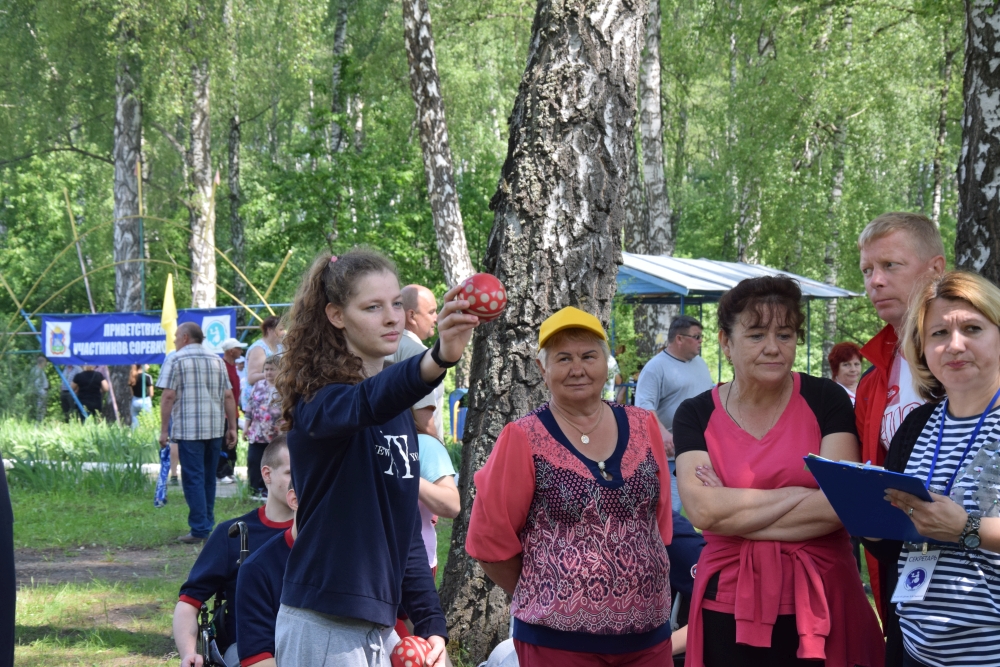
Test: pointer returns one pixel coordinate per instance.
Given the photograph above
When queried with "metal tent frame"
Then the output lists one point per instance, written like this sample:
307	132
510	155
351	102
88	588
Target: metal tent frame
659	279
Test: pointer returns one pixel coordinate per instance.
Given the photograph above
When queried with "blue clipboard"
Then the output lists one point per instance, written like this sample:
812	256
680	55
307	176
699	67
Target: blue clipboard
857	494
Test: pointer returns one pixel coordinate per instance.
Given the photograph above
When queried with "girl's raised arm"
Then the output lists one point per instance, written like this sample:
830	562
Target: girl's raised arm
454	333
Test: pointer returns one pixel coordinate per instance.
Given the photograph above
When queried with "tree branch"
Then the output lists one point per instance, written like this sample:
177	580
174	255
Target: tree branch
178	146
58	149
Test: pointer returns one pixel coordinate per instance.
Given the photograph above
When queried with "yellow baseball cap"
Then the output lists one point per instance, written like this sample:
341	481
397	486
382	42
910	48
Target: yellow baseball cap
569	318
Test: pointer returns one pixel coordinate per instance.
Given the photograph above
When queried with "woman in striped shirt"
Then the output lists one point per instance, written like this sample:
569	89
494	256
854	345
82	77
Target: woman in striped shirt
952	342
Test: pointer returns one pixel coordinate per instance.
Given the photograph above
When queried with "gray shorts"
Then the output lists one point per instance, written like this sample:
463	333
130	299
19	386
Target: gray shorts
305	638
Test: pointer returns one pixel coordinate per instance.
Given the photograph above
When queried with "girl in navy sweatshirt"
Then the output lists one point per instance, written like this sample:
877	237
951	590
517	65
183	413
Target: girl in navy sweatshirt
358	556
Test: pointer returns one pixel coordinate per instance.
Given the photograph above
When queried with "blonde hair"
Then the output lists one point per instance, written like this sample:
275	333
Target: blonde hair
971	288
917	226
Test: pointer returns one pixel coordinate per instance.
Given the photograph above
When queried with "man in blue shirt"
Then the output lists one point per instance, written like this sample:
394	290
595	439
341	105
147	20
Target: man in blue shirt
216	570
258	595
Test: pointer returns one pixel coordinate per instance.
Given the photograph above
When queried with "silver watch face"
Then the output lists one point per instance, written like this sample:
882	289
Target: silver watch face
971	541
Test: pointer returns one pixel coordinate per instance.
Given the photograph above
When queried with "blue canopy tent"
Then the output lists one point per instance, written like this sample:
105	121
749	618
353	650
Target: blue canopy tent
660	279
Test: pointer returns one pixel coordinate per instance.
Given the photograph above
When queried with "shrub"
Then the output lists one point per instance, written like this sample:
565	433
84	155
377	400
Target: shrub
93	457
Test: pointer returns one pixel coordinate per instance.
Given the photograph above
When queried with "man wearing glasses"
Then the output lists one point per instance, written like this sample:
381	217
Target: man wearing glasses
672	376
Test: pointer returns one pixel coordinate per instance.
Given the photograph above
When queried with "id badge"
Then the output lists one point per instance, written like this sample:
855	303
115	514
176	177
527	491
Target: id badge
916	576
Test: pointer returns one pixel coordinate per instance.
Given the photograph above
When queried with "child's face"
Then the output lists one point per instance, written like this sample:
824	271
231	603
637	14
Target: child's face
372	321
269	373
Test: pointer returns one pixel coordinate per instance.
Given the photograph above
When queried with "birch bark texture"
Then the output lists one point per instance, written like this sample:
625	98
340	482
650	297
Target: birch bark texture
977	231
202	209
425	85
234	145
127	149
237	236
556	241
653	321
830	255
660	234
834	213
338	141
937	189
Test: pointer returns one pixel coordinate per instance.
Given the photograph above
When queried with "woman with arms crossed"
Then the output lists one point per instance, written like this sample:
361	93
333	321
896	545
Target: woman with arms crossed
358	555
776	583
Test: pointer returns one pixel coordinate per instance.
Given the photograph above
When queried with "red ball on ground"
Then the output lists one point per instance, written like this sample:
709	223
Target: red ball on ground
486	294
410	652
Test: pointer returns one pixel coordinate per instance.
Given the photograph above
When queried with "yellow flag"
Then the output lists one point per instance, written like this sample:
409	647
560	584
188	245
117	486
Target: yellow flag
168	318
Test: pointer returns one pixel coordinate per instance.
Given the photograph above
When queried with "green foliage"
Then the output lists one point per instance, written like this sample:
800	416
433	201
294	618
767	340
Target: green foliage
16	392
91	457
753	95
88	441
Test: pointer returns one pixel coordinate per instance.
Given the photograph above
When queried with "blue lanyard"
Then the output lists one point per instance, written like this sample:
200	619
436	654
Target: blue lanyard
968	446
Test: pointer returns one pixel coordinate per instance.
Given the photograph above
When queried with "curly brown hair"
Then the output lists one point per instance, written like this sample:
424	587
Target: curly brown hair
316	352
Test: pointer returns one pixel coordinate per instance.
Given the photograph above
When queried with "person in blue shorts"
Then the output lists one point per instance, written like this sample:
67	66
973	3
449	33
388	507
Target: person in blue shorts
215	570
438	496
258	595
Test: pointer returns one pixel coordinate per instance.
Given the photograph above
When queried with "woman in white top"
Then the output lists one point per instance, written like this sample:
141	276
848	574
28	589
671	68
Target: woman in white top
845	365
266	347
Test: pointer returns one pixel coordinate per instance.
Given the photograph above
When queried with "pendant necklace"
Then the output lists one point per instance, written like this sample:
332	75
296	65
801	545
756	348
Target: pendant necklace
585	437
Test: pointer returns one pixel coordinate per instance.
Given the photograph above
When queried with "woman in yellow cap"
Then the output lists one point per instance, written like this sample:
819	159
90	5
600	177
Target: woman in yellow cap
572	513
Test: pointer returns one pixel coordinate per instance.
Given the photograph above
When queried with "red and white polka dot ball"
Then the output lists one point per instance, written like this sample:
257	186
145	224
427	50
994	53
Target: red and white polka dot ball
487	295
410	652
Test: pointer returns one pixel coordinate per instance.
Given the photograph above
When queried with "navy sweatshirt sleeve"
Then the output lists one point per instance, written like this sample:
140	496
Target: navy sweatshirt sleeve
420	599
356	467
258	597
215	570
211	570
341	410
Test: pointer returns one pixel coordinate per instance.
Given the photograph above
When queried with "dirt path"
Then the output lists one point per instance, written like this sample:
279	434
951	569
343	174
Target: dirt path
57	566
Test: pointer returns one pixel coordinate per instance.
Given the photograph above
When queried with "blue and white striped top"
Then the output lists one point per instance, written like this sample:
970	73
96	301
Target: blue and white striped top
958	621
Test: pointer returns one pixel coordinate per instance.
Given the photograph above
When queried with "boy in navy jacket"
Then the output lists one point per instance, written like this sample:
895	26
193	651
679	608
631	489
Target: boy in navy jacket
215	570
258	595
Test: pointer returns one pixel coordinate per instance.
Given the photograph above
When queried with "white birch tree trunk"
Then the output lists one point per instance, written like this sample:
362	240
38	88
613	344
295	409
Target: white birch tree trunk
426	89
653	321
234	146
833	215
127	244
556	241
202	211
236	228
977	233
942	134
830	256
634	238
660	233
338	139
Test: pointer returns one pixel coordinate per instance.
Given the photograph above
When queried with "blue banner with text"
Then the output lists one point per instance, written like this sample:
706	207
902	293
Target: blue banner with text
118	339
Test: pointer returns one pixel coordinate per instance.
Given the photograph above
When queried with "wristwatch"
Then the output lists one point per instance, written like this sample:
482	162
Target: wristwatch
969	539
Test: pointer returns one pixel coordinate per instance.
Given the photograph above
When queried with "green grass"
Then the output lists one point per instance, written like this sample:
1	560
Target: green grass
97	623
65	519
60	441
444	543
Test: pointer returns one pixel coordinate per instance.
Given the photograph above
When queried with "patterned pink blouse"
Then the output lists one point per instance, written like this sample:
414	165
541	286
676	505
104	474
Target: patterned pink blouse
264	413
594	554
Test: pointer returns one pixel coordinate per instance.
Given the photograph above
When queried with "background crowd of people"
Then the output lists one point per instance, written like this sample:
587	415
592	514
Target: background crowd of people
680	529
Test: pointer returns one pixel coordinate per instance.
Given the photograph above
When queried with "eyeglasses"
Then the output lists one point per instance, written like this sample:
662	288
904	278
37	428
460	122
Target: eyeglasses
698	337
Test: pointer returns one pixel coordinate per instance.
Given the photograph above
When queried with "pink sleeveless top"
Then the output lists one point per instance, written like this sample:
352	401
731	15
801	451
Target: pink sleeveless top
816	580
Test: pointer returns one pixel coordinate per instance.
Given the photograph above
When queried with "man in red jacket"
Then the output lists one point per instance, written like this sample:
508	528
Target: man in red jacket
899	251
